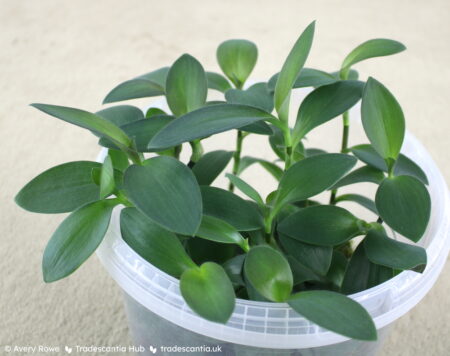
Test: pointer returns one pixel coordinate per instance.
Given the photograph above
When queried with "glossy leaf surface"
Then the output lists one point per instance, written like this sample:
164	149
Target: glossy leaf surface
210	165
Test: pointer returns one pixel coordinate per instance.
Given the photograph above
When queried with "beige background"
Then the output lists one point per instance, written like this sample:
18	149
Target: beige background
73	52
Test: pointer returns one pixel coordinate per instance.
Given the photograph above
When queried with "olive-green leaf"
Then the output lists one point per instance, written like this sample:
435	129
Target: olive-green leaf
377	47
359	199
326	169
141	132
257	95
215	229
382	119
151	112
316	258
335	312
404	203
186	85
245	188
147	85
361	274
60	189
325	103
382	250
233	267
291	70
308	77
107	183
270	167
322	225
269	273
206	121
351	75
223	204
156	245
167	192
360	175
119	160
217	82
121	114
87	120
208	291
403	166
237	58
76	239
210	165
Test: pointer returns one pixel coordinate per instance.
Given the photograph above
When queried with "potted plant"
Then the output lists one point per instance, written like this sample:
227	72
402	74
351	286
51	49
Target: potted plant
287	247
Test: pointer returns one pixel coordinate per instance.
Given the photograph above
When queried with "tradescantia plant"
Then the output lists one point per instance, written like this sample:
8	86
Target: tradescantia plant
286	247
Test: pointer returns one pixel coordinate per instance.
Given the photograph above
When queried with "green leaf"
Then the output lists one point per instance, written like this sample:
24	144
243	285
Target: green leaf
245	188
215	229
308	77
361	274
76	239
147	85
382	119
270	167
300	272
335	312
316	258
167	192
269	273
352	75
202	250
156	245
208	291
205	122
359	199
88	121
326	103
237	58
121	114
217	82
257	95
186	85
403	166
322	225
233	267
326	169
378	47
154	112
360	175
210	165
259	128
223	205
291	70
382	250
119	160
107	184
337	269
404	203
60	189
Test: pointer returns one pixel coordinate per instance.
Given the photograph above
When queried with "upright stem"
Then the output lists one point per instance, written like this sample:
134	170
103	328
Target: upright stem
197	152
345	132
237	156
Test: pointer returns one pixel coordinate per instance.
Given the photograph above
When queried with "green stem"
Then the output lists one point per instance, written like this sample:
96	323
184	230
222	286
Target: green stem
197	152
237	156
344	147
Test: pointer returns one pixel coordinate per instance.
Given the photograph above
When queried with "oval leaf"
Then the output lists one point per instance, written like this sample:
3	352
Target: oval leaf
359	199
218	230
326	169
404	203
383	119
223	205
208	291
245	188
325	103
122	114
291	70
60	189
269	273
217	82
257	95
186	85
76	239
237	58
205	122
360	175
107	183
335	312
210	165
308	77
167	192
322	225
156	245
382	250
377	47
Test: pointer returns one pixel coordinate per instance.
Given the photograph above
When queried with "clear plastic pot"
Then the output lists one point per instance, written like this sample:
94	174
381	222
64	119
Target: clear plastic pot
158	315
